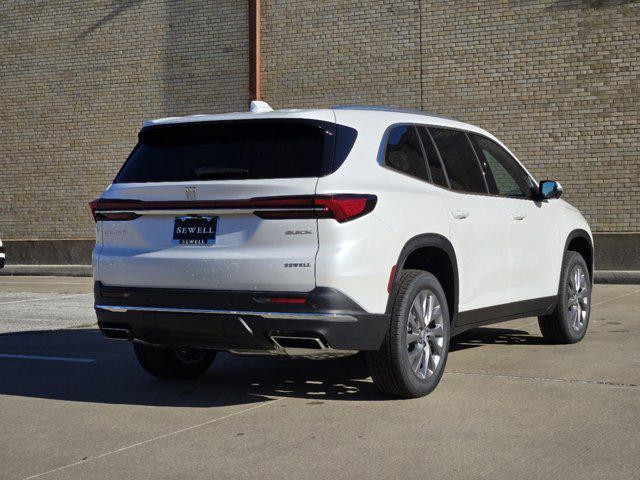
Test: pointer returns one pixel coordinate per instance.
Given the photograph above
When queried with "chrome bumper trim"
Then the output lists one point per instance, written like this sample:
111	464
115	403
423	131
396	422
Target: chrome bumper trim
327	317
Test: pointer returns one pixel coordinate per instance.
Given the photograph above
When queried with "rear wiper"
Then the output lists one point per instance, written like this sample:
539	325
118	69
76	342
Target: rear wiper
215	171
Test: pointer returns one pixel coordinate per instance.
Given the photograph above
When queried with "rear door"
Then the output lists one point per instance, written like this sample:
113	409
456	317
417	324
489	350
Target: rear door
216	205
478	222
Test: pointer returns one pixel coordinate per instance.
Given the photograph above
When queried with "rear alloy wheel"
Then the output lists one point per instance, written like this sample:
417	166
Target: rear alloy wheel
568	322
411	360
173	364
425	334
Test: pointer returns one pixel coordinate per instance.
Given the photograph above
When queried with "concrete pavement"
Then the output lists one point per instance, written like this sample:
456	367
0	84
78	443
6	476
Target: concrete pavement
45	284
509	406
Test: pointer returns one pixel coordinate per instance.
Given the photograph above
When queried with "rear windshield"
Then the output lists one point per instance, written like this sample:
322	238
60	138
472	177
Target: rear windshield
250	149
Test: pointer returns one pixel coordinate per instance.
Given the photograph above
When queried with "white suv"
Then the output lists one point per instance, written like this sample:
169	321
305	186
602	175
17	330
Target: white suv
306	232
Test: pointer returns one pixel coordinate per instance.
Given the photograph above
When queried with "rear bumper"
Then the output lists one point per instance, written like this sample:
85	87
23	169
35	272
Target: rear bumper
233	320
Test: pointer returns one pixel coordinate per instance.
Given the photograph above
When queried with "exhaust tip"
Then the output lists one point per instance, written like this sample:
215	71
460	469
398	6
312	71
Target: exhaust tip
292	345
116	333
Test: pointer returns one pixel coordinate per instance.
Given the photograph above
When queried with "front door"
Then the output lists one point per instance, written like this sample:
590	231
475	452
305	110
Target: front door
533	229
534	246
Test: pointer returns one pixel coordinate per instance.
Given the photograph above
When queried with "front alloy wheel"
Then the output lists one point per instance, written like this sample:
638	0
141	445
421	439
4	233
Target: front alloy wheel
577	298
569	321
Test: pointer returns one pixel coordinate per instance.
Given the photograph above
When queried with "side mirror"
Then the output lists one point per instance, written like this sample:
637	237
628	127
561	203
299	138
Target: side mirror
549	189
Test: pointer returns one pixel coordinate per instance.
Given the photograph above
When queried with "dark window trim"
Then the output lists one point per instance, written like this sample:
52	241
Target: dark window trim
475	154
424	153
383	147
468	132
482	158
435	148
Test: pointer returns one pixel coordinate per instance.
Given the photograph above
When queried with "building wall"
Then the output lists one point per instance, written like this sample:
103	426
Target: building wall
557	80
79	78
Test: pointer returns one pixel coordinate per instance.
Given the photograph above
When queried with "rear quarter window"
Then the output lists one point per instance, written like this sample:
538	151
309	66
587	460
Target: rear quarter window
403	152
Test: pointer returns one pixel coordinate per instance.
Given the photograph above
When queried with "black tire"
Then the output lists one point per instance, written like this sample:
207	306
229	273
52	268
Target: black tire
173	364
560	325
390	366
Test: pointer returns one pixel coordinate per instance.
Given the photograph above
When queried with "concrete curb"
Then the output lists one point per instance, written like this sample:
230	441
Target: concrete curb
601	276
48	270
617	276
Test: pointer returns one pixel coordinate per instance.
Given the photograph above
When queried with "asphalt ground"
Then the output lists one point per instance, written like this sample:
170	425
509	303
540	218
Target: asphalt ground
76	406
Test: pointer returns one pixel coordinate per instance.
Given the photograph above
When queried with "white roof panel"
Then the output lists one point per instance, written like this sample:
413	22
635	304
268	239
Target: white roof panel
354	112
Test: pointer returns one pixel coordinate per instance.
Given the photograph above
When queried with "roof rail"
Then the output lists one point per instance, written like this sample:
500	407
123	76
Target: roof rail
391	109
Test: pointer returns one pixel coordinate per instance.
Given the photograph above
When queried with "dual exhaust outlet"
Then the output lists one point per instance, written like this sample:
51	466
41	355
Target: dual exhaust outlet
284	344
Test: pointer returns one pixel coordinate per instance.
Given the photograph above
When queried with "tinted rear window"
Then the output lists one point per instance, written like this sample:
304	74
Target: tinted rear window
404	154
459	160
231	150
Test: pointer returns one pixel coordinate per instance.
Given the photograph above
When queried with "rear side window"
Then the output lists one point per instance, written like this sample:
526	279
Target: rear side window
251	149
459	160
404	153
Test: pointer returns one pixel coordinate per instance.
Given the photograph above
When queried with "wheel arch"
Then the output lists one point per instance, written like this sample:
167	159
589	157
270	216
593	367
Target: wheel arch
434	253
580	241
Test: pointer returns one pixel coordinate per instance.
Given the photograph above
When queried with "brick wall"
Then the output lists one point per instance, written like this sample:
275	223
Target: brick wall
557	80
78	79
325	53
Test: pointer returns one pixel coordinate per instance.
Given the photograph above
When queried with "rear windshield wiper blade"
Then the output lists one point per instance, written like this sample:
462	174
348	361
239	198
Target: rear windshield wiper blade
216	171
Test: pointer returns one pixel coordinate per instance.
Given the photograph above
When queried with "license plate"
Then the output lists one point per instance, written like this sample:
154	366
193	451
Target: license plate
194	230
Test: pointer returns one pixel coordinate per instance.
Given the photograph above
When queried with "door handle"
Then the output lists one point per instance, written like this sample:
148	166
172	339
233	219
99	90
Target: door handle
518	215
459	214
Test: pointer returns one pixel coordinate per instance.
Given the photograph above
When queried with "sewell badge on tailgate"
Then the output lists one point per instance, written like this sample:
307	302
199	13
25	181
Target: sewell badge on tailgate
194	230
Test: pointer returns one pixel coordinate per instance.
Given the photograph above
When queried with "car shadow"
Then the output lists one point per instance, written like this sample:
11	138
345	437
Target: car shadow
114	376
494	336
106	372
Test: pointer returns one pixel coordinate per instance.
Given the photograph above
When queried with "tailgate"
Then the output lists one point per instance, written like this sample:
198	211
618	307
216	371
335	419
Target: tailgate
238	250
191	207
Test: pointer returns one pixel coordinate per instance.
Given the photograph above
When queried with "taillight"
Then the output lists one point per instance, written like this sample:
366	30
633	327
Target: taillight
93	205
346	207
112	210
342	207
116	216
